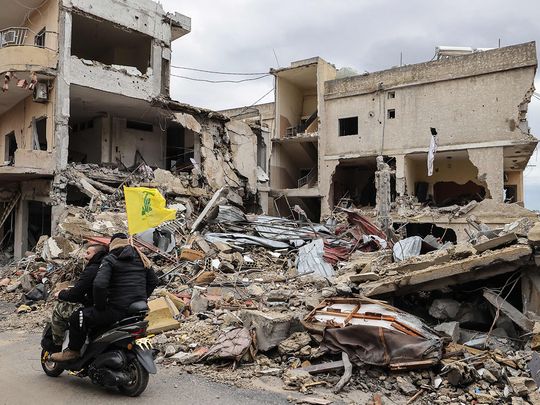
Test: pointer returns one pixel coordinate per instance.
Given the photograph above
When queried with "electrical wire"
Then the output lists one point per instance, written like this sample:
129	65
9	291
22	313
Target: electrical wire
251	105
195	79
219	73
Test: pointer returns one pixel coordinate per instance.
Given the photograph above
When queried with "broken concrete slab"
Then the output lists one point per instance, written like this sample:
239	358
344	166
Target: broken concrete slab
244	150
496	243
174	185
271	328
509	310
294	343
450	329
534	235
188	121
477	267
522	385
57	247
161	315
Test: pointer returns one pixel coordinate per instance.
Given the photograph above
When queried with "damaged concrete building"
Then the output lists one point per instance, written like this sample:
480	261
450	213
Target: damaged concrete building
327	127
88	83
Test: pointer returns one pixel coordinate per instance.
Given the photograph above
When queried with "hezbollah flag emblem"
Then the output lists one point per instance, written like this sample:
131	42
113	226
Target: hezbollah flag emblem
145	208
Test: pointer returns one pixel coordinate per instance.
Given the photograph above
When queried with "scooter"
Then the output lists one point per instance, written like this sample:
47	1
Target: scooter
121	356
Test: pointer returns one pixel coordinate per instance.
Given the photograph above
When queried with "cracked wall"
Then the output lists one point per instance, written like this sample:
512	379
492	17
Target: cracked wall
490	165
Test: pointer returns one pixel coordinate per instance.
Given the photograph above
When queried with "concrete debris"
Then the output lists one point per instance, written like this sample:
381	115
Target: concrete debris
450	329
294	343
161	316
288	298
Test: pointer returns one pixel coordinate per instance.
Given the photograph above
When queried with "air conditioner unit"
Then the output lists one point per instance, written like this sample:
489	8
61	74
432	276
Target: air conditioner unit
41	93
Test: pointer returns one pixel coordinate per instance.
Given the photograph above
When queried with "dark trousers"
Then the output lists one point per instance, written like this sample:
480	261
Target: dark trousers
85	319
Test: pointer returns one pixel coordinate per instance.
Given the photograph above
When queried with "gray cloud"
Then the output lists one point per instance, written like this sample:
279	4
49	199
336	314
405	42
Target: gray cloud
240	35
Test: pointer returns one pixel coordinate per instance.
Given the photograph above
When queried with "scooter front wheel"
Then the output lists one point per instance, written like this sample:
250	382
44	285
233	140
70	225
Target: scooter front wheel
138	379
51	368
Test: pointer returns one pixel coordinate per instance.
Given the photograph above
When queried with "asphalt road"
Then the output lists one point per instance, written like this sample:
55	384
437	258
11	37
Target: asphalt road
22	381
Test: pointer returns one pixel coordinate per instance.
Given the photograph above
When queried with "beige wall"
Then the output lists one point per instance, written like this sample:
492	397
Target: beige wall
290	100
19	120
468	110
515	178
127	141
458	170
44	17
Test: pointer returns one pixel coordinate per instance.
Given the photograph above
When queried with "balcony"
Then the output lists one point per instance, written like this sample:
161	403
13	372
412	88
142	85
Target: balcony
17	54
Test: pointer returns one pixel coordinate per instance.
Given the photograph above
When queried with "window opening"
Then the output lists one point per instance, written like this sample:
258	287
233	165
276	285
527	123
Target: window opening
348	126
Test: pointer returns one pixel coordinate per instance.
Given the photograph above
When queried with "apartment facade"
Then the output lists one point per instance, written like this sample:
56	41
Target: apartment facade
326	132
82	82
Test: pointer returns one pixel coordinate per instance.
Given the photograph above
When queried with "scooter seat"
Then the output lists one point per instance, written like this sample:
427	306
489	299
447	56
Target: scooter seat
137	307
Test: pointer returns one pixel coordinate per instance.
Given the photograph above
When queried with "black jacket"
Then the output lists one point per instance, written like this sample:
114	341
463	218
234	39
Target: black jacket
82	291
122	280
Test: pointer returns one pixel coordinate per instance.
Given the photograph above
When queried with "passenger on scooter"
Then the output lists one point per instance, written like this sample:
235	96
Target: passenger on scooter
80	295
124	277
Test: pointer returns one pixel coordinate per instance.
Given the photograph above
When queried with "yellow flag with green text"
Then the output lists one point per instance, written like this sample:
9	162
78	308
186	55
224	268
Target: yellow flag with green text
145	208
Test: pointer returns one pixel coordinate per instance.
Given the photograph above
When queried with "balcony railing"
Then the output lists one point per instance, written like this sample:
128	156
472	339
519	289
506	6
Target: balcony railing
309	179
14	36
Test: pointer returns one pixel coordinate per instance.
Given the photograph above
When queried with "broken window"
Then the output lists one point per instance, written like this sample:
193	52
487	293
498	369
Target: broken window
10	148
39	133
39	39
348	126
104	42
391	94
391	114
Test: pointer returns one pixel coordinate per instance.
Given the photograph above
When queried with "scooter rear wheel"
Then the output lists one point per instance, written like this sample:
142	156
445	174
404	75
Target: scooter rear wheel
51	368
139	380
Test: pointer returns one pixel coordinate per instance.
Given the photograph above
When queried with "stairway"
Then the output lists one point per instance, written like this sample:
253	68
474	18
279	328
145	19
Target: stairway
7	206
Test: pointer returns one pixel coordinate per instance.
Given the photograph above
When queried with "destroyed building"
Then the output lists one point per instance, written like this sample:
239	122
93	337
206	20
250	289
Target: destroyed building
88	83
326	128
282	250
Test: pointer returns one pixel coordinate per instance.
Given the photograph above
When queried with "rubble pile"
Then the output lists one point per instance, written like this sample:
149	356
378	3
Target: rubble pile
326	306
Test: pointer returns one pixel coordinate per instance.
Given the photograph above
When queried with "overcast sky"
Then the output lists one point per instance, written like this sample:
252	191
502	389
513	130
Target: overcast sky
367	35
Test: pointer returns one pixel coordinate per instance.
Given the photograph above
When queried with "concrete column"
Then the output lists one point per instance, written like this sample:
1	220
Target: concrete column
21	229
264	201
490	164
106	139
400	175
383	198
156	64
62	99
326	189
56	213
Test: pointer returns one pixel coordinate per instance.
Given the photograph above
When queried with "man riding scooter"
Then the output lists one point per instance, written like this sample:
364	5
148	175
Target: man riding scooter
124	277
80	295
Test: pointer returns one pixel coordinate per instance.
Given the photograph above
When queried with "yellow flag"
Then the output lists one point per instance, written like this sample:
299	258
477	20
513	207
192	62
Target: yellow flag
145	208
